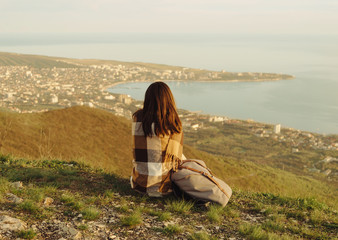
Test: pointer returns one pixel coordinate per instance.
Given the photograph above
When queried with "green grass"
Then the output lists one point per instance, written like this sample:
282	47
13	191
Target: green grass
179	206
162	215
253	232
132	220
214	213
71	201
83	227
201	236
172	229
91	213
29	207
26	234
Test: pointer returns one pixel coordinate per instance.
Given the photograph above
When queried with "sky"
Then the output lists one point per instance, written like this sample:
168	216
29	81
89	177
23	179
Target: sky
170	16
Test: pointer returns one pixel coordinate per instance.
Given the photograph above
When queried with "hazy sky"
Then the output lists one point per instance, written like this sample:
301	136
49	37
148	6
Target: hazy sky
173	16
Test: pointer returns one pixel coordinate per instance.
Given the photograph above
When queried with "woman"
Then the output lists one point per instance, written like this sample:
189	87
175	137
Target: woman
158	139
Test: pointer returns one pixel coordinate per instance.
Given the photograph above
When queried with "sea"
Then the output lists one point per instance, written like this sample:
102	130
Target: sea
309	102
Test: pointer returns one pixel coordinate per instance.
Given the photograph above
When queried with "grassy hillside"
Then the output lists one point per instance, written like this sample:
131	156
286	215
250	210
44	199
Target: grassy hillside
88	135
69	200
102	140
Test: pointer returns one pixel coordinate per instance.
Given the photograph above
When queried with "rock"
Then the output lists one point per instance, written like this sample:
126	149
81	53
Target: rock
69	231
13	198
200	227
8	223
17	184
112	236
48	201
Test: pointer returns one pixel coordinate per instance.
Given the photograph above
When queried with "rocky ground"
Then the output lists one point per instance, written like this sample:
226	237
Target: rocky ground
58	200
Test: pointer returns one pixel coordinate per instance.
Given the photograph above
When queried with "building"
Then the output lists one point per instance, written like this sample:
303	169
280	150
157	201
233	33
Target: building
277	128
126	99
109	97
55	99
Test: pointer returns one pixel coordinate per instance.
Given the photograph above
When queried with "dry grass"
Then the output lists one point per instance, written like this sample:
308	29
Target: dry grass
92	136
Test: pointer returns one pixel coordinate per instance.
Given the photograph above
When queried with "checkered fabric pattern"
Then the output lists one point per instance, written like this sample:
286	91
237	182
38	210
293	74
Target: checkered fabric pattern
154	158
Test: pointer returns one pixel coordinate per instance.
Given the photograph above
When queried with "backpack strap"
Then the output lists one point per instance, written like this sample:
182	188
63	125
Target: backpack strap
209	176
191	160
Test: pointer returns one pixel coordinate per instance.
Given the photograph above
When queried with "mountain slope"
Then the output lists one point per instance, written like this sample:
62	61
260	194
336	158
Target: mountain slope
102	140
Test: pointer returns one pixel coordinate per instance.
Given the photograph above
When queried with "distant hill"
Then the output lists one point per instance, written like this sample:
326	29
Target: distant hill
102	140
14	59
39	61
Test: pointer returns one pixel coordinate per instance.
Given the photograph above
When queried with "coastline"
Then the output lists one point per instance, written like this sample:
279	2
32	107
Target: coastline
105	88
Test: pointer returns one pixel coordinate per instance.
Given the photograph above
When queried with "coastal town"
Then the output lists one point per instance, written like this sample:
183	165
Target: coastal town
26	89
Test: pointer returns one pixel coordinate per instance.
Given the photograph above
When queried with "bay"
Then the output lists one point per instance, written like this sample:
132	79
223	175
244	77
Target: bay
284	102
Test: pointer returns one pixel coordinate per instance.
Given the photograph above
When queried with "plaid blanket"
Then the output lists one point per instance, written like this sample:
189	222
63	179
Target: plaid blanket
154	158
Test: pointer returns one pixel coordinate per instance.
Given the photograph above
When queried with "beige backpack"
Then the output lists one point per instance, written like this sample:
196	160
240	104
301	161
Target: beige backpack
194	180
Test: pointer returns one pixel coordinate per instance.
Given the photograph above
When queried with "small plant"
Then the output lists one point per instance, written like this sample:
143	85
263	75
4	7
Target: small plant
172	229
273	226
252	232
124	208
67	172
257	233
214	213
164	216
132	219
67	198
71	201
82	227
27	234
179	206
200	236
35	194
4	185
231	213
29	206
109	194
91	213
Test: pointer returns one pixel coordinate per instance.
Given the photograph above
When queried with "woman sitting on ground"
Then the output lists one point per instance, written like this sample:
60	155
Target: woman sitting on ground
158	139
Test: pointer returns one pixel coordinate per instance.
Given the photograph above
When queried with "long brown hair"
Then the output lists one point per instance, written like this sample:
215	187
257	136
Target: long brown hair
159	108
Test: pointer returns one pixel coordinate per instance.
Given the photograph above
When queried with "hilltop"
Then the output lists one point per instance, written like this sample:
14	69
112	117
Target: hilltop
80	157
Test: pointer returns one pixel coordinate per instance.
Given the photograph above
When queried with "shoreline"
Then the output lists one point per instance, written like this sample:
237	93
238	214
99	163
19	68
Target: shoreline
192	81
